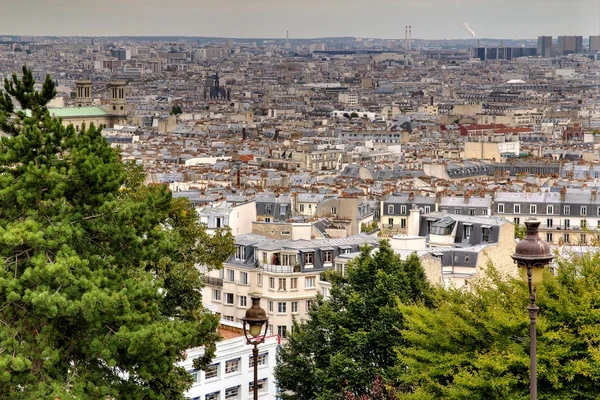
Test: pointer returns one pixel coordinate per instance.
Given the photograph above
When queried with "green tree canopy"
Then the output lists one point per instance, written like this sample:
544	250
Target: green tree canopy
99	291
176	110
475	345
349	339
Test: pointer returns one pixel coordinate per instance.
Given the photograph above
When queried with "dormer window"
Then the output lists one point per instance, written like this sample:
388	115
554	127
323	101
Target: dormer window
268	209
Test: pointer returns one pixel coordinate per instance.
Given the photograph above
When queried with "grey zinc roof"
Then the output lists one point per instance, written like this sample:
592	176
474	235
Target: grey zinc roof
403	199
460	201
484	220
265	243
538	197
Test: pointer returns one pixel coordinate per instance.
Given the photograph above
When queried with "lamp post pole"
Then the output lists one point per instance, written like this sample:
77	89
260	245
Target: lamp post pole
255	356
533	310
253	323
531	256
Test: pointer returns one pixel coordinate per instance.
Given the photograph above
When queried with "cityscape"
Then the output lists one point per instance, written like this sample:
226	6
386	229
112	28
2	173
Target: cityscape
297	218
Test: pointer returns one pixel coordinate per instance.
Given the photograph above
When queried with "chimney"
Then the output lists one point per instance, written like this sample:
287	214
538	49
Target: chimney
563	193
414	220
411	196
467	196
243	134
409	36
594	193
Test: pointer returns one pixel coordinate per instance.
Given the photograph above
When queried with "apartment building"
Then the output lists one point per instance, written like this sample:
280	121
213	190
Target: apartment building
287	274
238	217
231	374
395	211
567	217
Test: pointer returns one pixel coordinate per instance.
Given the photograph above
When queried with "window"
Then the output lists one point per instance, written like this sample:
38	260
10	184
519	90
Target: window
294	306
271	283
270	306
567	210
484	212
195	375
261	385
487	233
282	330
228	318
308	304
244	278
228	298
262	358
268	209
301	207
471	211
501	208
403	210
582	239
403	223
243	301
327	256
240	252
566	238
212	396
467	231
294	283
267	220
517	220
549	237
259	279
583	210
390	209
216	295
232	365
391	222
598	211
309	258
333	210
282	307
567	224
212	371
288	259
517	209
427	209
231	275
533	209
232	393
309	282
549	223
550	210
583	224
281	284
219	225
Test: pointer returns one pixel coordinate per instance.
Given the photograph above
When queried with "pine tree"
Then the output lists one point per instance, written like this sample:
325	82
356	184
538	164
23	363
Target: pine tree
349	340
99	290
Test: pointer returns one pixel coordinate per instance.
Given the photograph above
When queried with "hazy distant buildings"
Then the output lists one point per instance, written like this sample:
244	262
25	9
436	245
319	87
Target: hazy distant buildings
570	45
503	53
544	48
122	54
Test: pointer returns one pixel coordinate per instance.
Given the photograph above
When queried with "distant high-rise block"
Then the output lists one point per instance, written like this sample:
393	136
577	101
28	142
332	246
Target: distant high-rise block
570	45
594	44
544	48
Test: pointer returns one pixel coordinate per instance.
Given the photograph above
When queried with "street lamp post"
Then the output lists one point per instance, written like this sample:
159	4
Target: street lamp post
531	255
253	322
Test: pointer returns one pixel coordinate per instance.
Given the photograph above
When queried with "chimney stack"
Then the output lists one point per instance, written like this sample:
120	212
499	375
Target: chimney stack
409	36
406	37
563	193
594	193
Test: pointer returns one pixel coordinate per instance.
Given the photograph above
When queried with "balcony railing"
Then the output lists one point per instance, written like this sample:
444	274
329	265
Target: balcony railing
282	269
213	281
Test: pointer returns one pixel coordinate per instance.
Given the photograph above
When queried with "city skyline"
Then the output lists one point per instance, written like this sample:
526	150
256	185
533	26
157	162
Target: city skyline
384	19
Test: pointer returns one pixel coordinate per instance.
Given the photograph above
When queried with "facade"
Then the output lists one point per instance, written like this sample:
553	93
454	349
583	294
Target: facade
570	45
461	246
287	274
238	217
231	374
467	205
395	211
567	217
544	48
594	44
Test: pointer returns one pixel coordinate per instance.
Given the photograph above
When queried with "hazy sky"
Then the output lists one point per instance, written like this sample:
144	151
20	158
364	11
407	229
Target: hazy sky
430	19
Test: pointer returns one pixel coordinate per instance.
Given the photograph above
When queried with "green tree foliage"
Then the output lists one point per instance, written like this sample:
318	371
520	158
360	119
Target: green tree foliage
520	231
475	345
176	110
349	340
99	293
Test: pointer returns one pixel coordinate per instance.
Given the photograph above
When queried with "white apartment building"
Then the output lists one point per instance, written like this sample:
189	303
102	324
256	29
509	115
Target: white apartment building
231	374
286	274
349	99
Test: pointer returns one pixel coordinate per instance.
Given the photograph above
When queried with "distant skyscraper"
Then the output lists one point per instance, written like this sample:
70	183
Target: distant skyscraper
570	45
594	44
544	48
